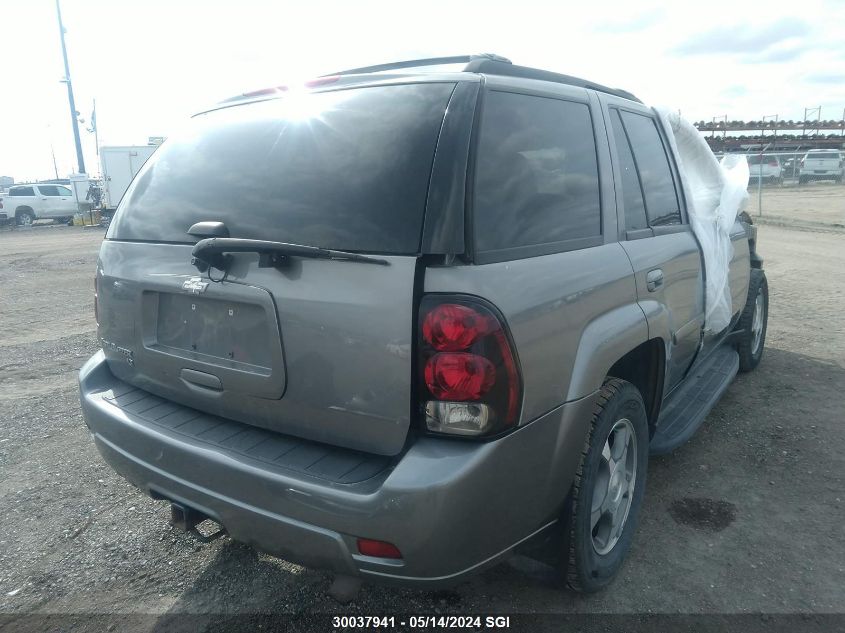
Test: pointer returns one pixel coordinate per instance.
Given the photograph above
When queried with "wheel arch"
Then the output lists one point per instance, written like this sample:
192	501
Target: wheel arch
645	368
604	341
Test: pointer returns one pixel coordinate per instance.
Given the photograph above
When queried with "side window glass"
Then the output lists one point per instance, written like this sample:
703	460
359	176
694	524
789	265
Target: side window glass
64	191
632	194
661	199
49	190
536	173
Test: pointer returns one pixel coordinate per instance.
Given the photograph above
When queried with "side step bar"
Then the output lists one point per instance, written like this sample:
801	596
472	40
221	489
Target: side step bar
687	407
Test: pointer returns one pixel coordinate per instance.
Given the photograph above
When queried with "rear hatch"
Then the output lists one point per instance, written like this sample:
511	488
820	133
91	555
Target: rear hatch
823	162
312	347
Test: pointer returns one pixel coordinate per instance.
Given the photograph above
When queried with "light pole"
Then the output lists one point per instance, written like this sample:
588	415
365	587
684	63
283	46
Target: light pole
79	159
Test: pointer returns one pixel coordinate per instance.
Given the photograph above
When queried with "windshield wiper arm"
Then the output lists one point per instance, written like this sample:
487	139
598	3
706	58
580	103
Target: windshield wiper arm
212	252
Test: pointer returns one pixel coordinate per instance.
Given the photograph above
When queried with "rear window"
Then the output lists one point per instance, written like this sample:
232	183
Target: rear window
823	155
346	169
536	181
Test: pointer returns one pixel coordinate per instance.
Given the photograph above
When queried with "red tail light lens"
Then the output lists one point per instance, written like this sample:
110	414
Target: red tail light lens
379	549
451	376
773	163
470	382
451	327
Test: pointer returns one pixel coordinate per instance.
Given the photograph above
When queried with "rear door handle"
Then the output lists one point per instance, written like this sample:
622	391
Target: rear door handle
654	279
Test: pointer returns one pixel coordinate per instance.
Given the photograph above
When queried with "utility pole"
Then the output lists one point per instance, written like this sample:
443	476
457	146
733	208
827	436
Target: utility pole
73	115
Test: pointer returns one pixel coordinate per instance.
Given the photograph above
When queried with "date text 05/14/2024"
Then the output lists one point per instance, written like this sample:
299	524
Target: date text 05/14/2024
421	621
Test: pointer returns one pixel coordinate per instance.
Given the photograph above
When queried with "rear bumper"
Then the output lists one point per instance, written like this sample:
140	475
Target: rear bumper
819	173
451	507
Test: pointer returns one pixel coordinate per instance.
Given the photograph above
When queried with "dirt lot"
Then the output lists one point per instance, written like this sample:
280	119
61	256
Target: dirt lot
821	202
746	518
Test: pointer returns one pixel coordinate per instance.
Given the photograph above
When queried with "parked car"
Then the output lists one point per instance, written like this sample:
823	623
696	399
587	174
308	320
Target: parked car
767	168
821	164
26	203
407	322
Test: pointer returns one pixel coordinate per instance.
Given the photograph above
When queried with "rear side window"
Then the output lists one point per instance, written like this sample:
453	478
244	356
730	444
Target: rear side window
658	184
22	191
632	195
345	169
536	174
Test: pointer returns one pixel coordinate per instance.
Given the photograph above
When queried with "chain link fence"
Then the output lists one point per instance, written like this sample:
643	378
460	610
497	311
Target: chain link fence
803	187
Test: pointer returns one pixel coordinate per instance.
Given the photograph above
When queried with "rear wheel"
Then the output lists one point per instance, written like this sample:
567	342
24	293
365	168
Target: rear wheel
753	322
608	490
25	217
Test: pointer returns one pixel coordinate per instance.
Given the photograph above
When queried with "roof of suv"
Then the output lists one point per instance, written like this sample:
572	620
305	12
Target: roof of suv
487	63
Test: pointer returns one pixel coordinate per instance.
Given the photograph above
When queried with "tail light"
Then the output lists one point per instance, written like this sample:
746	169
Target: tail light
469	379
96	296
1	203
773	162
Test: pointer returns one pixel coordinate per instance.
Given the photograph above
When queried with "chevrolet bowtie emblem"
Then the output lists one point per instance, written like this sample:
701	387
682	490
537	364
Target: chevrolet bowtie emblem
195	285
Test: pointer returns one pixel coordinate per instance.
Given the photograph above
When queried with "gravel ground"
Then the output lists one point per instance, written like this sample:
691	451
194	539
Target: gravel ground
817	202
746	518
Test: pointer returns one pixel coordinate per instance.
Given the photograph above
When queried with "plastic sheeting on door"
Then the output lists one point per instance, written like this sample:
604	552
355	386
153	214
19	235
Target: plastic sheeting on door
715	192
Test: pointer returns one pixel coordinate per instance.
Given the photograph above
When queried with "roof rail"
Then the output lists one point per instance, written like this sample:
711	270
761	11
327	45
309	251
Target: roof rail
416	63
494	67
492	64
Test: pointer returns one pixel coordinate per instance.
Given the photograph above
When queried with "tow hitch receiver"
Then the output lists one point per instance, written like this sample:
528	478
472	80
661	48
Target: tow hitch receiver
187	519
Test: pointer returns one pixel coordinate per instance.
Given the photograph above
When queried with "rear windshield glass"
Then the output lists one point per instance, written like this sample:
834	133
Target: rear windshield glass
823	155
346	169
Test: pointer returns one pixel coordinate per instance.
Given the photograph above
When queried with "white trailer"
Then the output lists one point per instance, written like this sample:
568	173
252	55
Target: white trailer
119	164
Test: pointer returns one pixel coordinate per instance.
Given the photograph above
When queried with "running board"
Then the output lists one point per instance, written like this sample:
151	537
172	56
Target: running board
687	406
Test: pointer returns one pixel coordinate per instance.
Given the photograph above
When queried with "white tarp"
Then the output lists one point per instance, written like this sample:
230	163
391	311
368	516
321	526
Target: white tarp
714	191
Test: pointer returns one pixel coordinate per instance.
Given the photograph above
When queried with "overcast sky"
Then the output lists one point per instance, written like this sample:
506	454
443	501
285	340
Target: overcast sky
152	63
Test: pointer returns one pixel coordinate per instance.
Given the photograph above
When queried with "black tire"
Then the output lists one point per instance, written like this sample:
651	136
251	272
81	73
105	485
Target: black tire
24	218
802	180
587	570
750	349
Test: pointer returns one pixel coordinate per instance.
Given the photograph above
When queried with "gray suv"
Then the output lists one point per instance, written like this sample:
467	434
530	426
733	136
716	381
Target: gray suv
402	321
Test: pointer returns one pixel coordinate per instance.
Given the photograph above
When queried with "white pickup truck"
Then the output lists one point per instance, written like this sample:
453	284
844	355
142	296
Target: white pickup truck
24	204
821	164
